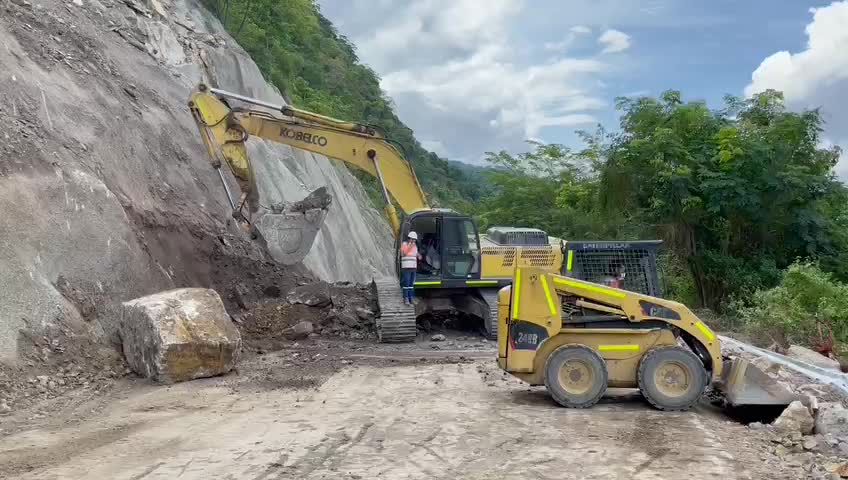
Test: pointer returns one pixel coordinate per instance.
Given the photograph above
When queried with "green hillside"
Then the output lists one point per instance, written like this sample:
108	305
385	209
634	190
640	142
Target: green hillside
302	54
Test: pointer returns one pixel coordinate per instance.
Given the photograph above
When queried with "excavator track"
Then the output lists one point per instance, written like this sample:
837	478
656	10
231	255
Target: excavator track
396	323
490	295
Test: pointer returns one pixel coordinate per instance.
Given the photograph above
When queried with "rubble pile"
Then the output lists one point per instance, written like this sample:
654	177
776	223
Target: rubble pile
811	434
54	364
312	309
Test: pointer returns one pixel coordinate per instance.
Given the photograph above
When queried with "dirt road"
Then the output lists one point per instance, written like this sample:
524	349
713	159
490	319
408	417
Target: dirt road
419	420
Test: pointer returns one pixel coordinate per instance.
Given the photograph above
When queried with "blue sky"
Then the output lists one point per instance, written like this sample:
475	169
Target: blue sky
471	75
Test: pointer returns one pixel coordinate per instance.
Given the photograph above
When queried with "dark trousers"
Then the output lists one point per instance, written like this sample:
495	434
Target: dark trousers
407	280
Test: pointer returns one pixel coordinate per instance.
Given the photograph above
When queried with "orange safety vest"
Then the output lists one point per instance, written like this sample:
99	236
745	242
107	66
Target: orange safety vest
409	255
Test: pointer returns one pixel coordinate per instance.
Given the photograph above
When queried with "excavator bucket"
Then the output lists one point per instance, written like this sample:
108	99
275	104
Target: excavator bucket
288	231
743	384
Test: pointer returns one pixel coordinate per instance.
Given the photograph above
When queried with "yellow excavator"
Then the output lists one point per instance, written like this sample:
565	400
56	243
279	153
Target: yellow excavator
469	268
577	338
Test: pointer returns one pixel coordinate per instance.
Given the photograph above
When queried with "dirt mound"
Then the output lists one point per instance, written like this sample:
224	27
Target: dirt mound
339	310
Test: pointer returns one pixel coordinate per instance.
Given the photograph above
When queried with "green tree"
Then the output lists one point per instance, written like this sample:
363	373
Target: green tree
739	193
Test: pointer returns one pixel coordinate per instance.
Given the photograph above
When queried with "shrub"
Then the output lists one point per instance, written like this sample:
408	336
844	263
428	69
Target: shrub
804	308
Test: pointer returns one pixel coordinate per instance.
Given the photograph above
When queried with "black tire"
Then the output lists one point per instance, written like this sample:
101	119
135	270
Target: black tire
684	378
580	361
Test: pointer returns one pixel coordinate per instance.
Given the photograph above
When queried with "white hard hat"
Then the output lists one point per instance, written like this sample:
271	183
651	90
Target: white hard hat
412	235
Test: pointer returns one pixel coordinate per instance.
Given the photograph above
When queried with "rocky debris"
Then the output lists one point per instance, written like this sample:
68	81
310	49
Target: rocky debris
313	295
84	302
346	318
814	358
771	368
437	338
832	419
179	335
365	315
813	389
5	408
318	199
810	443
811	456
348	311
299	331
796	418
811	402
54	361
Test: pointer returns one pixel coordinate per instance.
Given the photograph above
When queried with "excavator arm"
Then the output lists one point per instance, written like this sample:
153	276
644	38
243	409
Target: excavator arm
225	130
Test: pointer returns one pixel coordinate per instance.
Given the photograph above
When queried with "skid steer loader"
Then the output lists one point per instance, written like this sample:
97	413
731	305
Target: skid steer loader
577	337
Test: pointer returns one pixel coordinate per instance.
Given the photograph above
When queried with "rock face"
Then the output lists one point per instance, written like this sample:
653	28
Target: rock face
179	335
832	419
104	180
814	358
796	418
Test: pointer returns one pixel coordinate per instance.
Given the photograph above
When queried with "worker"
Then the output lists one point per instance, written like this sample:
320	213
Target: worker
431	255
408	265
616	278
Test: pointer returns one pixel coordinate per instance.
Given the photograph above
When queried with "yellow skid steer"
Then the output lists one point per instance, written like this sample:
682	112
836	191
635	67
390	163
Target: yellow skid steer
577	338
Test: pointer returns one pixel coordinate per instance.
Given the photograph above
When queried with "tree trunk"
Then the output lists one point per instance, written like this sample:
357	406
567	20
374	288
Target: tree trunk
243	18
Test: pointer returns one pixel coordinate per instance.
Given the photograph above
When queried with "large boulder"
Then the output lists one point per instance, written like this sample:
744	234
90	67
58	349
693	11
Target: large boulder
832	419
796	418
179	335
813	358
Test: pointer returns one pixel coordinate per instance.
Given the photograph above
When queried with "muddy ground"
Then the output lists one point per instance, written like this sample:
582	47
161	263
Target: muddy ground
348	409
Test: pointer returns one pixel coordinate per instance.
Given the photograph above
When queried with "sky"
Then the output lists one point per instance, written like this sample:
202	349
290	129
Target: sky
471	76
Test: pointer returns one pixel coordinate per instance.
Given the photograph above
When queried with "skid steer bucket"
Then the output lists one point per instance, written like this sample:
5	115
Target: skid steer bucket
743	384
289	231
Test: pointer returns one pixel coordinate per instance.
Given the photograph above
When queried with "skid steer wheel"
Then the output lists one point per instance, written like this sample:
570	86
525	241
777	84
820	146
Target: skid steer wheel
575	376
671	378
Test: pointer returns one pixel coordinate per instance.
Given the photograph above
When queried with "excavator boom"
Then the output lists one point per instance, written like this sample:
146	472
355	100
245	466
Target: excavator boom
225	131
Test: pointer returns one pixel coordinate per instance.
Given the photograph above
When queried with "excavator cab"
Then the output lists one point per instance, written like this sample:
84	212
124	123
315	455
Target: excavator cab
449	245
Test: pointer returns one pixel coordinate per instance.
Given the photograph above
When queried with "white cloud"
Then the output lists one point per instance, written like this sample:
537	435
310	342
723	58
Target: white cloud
468	78
527	98
432	28
817	76
573	33
559	46
614	41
